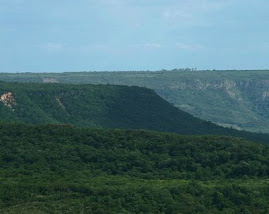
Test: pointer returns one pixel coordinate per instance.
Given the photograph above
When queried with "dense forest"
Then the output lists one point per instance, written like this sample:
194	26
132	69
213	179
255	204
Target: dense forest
107	106
230	98
68	148
64	169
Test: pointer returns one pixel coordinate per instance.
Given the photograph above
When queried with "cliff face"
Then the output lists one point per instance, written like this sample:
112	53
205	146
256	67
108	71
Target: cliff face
230	98
242	104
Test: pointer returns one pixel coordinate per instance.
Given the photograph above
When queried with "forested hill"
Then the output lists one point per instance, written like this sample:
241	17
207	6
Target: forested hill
63	169
138	153
230	98
102	106
96	105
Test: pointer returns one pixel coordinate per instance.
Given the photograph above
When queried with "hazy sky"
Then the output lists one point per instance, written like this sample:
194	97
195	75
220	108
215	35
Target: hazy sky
84	35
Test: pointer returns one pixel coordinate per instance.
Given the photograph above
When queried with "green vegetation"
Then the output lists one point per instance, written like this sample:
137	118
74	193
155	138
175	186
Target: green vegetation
96	105
63	169
231	98
64	166
103	106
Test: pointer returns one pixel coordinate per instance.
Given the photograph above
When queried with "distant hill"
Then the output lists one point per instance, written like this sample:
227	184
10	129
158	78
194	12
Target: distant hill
63	169
238	99
102	106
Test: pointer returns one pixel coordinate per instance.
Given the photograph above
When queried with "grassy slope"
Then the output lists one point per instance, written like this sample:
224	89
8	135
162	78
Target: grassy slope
232	98
63	169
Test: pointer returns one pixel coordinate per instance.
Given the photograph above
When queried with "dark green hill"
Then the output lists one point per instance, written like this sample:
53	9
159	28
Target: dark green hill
102	106
63	169
95	105
138	153
230	98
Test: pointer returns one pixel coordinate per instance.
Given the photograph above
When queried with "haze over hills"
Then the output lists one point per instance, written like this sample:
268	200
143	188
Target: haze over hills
108	106
231	98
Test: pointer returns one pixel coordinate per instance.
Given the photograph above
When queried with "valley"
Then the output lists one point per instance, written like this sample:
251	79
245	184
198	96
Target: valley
106	148
109	106
237	99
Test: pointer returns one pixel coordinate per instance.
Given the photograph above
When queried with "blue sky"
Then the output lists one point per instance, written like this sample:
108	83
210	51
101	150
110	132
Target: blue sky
89	35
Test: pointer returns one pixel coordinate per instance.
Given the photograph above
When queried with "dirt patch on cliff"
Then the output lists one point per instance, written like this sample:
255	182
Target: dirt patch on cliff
8	100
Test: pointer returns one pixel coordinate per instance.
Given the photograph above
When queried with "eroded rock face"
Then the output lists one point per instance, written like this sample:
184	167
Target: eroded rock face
8	100
50	80
58	100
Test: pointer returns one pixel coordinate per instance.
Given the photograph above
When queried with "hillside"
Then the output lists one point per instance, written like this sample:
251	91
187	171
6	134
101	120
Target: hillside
63	169
102	106
231	98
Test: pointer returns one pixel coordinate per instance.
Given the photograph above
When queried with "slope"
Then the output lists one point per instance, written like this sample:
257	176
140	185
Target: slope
102	106
231	98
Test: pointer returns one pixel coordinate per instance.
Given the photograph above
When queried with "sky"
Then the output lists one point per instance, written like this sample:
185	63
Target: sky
109	35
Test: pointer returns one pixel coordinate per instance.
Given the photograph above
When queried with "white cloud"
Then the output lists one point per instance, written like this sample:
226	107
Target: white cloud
147	45
52	47
175	13
261	47
9	30
113	2
8	6
192	12
189	47
265	46
152	45
182	46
